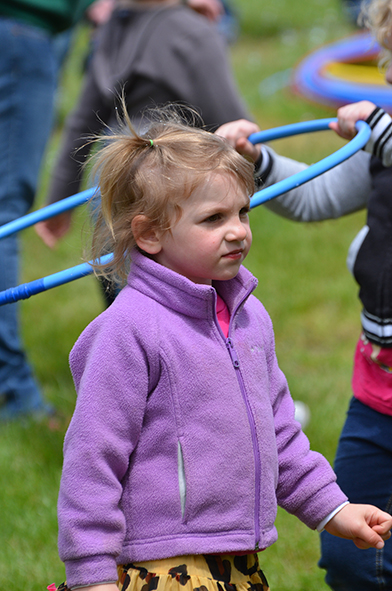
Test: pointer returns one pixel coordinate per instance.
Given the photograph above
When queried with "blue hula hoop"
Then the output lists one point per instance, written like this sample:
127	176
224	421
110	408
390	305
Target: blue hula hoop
47	212
302	177
26	290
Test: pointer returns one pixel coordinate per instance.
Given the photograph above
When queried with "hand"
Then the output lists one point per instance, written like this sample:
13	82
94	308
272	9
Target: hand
211	9
365	525
100	11
51	230
349	115
237	133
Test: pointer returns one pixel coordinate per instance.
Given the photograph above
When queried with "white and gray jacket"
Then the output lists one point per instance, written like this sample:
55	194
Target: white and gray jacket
362	181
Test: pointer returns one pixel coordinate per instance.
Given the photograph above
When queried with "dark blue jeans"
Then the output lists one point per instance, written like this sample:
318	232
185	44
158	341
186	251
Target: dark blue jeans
28	74
364	470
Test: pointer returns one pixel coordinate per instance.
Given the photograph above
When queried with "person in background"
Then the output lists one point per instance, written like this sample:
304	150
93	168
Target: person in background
28	78
363	461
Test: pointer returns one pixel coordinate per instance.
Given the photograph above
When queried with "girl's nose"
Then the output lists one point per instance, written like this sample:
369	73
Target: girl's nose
237	231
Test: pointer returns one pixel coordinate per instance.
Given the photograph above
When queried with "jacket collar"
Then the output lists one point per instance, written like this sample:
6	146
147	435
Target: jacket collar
182	295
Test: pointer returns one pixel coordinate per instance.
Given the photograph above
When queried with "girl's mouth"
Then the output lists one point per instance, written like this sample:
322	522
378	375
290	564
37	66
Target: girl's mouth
234	254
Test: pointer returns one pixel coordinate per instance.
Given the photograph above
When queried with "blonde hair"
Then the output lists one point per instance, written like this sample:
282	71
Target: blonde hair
150	175
376	15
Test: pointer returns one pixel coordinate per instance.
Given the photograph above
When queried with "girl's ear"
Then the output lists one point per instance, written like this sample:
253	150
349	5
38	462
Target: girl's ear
147	237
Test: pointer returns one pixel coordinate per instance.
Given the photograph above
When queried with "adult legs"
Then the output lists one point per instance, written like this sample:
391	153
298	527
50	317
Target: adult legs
364	471
27	84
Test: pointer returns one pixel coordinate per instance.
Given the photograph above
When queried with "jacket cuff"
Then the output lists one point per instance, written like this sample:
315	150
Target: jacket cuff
92	585
91	570
317	508
263	166
380	142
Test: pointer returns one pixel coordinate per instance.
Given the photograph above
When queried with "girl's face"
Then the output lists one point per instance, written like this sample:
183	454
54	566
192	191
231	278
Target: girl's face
212	237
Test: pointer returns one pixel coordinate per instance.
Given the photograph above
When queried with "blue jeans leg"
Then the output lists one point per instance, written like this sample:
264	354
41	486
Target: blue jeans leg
27	85
364	471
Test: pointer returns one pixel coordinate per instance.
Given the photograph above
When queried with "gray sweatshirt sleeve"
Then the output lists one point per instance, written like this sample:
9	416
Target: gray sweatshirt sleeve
88	118
340	191
194	64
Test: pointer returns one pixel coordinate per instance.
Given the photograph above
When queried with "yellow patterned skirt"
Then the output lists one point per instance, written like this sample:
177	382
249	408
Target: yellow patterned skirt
194	573
206	572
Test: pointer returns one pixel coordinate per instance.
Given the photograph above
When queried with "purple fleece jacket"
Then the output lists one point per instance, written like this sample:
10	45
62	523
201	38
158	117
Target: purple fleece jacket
182	441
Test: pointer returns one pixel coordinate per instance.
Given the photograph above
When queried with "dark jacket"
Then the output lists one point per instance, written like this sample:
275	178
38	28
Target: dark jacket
54	16
373	263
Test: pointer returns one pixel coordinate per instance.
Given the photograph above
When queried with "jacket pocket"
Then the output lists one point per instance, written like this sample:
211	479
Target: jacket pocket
181	479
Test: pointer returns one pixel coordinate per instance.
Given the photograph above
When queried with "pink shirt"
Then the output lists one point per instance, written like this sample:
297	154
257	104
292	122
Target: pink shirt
372	376
223	314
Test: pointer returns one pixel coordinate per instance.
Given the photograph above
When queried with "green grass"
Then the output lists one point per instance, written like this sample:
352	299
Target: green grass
303	283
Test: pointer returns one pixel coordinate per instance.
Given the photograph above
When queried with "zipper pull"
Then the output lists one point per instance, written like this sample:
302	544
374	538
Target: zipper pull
233	354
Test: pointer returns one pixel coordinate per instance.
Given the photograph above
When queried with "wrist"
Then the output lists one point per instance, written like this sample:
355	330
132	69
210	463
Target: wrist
330	516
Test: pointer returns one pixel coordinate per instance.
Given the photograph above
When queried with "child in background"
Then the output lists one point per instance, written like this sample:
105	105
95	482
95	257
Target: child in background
183	440
376	16
363	461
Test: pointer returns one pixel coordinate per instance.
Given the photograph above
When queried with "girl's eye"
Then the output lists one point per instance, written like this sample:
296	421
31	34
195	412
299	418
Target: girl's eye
213	218
244	211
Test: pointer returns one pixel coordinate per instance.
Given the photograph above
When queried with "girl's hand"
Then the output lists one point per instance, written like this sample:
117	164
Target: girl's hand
365	525
237	133
349	115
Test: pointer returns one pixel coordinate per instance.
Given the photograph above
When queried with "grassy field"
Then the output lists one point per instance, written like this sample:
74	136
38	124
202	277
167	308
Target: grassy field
303	282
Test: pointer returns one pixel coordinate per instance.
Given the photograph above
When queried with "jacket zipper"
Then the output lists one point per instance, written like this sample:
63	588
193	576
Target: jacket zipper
256	450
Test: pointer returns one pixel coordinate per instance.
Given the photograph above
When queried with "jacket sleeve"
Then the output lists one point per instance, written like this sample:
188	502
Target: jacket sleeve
111	374
88	118
306	484
339	191
211	84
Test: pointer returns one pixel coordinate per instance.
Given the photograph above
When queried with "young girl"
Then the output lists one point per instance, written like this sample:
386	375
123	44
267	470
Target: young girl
183	440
